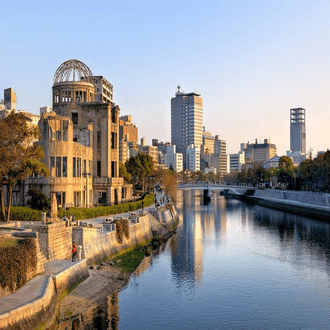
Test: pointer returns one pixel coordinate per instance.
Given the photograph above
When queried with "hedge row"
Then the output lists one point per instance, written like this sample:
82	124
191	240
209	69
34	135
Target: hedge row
27	214
17	263
20	213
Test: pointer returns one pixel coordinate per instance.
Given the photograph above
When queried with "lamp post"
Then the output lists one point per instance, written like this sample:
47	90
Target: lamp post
86	175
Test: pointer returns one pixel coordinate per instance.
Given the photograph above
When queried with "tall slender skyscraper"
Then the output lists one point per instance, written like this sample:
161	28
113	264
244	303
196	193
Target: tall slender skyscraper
298	130
186	121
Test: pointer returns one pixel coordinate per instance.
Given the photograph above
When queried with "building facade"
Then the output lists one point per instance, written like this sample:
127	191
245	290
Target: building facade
193	154
298	130
236	162
128	138
174	159
297	150
186	121
80	138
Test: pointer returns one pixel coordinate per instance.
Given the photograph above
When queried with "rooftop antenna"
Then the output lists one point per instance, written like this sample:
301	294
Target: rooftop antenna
178	92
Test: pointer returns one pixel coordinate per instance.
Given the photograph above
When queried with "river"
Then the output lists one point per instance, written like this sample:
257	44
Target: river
231	265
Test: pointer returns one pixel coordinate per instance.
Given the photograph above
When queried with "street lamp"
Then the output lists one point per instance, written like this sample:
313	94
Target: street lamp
86	175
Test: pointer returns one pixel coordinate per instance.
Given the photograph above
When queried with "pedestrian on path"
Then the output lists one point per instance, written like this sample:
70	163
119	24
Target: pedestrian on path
74	251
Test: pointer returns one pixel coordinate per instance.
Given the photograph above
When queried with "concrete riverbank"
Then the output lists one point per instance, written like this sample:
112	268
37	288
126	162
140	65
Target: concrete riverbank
36	303
314	205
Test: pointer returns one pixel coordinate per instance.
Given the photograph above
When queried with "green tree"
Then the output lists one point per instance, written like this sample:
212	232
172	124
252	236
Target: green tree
123	172
38	200
285	165
19	155
140	168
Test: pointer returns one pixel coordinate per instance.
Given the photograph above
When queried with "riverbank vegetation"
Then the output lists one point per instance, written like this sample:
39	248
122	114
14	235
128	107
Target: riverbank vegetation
27	214
311	174
129	261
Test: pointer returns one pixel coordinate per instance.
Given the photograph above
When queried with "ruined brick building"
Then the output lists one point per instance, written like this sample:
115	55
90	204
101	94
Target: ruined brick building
80	138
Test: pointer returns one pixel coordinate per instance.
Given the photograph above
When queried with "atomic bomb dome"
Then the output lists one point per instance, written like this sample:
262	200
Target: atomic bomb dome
72	70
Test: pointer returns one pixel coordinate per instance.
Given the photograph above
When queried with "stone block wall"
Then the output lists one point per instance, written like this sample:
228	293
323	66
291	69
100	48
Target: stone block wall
55	240
97	245
297	196
71	276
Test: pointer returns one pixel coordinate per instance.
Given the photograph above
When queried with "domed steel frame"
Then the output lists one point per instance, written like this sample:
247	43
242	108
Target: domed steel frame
73	69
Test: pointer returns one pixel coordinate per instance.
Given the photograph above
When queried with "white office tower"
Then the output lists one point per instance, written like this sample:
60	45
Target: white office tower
297	135
174	159
193	154
186	121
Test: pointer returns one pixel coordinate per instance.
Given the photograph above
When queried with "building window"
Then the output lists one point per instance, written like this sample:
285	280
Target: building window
74	117
65	130
113	141
58	166
84	167
98	168
52	166
113	169
78	167
58	135
74	173
65	167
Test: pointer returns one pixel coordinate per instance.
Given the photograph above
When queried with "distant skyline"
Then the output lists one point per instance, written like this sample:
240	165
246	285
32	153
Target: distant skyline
250	61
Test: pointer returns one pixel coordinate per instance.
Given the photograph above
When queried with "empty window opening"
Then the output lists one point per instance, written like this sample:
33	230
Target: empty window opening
74	117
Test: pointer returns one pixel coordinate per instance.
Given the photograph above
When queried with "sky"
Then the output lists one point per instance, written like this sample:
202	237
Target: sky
250	60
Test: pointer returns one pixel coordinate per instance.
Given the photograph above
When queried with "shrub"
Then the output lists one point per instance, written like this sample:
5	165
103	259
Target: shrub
20	213
38	200
122	227
16	264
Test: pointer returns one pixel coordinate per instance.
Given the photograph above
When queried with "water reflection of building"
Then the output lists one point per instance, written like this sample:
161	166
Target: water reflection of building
187	250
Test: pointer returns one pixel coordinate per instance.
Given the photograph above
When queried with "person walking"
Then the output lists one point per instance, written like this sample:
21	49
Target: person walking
74	251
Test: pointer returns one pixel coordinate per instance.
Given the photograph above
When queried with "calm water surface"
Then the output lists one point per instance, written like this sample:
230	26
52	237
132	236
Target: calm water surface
233	266
230	266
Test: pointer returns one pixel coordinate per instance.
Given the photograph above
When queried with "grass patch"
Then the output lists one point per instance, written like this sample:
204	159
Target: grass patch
66	292
129	261
8	242
42	326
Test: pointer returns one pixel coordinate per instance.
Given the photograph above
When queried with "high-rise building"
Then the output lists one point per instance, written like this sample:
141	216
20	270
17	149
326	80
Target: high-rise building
186	121
298	130
219	158
10	99
128	138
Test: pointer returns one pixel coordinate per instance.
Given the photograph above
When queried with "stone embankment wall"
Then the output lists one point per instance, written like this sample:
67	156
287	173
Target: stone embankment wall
313	205
33	314
167	216
297	196
98	244
55	240
68	278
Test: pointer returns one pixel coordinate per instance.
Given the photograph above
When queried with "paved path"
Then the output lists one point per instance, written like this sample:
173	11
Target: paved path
33	289
30	291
